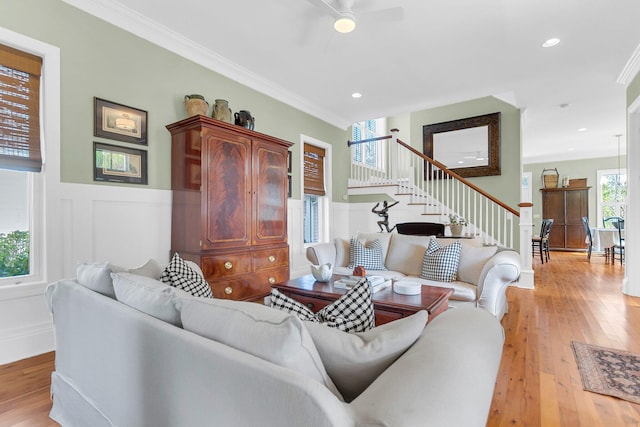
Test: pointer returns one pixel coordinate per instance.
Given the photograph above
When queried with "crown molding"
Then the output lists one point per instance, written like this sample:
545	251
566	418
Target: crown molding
134	22
631	69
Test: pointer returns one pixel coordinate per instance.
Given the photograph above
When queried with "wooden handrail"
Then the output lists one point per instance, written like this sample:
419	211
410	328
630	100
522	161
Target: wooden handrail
379	138
454	175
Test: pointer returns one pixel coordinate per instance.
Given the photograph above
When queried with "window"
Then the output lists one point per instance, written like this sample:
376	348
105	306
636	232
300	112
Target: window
315	197
20	162
368	154
611	193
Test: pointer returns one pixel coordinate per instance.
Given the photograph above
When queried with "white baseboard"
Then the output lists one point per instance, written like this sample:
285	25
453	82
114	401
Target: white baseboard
20	343
526	280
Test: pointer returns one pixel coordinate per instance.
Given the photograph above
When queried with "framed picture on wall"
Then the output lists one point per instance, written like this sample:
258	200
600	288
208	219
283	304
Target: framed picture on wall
119	122
112	163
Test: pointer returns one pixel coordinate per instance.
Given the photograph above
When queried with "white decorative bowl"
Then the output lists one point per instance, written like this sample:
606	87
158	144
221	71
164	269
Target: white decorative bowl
322	273
407	288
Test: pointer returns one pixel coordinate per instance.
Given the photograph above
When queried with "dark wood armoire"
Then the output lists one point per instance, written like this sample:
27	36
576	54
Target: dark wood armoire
566	206
230	205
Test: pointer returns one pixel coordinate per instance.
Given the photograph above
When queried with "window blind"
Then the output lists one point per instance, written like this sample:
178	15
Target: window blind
313	170
20	110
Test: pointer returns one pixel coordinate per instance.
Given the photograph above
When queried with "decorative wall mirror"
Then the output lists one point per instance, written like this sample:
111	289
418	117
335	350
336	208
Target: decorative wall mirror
469	147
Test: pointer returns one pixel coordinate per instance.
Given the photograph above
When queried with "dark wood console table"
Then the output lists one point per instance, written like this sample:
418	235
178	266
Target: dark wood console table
388	305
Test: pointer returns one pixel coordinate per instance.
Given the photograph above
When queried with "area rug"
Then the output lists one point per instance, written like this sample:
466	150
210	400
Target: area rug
608	371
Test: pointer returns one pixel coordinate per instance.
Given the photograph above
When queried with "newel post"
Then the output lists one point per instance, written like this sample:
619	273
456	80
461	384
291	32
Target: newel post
393	155
526	231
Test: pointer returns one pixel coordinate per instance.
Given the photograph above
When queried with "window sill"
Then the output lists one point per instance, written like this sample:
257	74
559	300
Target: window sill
22	290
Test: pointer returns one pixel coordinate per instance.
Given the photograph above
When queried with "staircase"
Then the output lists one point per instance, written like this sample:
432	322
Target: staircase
430	192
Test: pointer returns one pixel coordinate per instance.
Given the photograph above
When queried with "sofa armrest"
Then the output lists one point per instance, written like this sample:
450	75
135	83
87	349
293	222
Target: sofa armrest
322	253
446	378
502	269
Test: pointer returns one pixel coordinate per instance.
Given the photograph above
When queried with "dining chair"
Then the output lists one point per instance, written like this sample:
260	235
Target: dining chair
587	231
541	241
619	246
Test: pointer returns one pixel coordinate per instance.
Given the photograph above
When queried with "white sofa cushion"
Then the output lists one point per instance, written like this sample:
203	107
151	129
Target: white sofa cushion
368	255
148	295
472	260
151	268
353	361
269	334
462	291
180	275
406	252
352	312
96	276
342	252
441	262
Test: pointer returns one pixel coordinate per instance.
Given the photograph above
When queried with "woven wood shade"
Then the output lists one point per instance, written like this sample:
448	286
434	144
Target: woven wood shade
20	110
314	170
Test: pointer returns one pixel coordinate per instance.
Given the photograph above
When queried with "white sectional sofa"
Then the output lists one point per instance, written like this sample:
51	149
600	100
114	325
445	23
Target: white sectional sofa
483	272
176	360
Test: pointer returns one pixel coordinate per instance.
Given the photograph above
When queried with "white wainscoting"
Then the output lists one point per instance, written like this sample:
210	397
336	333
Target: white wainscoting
122	225
125	226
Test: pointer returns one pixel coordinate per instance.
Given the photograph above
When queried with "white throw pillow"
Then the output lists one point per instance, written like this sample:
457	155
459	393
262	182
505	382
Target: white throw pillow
96	276
441	263
406	252
353	361
151	269
472	260
148	295
269	334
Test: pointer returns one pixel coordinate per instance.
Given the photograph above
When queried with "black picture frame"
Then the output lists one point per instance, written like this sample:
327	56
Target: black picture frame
289	190
290	164
112	163
119	122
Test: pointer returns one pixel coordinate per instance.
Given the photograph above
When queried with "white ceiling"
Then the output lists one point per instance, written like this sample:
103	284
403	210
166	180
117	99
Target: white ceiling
438	53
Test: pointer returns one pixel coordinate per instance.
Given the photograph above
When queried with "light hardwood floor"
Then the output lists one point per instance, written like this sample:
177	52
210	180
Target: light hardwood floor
538	383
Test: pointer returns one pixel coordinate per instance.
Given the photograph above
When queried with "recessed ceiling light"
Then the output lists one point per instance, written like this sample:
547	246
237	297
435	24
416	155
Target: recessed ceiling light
356	95
551	42
582	129
570	149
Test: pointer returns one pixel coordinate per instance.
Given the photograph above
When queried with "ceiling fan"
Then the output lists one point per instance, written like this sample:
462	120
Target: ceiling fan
344	12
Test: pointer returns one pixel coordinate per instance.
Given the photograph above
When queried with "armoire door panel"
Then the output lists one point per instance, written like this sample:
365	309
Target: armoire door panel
270	199
227	192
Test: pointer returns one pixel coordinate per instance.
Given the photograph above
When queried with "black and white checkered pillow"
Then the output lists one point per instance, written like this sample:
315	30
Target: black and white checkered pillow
284	303
352	312
179	275
369	256
440	263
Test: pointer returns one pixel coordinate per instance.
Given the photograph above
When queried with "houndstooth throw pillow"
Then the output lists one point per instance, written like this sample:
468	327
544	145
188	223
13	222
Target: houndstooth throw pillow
352	312
179	275
440	263
369	256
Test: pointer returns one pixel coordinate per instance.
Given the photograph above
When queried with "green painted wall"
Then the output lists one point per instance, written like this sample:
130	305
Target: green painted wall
506	186
99	59
584	168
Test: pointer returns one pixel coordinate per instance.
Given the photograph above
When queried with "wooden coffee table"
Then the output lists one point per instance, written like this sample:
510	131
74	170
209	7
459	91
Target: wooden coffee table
387	304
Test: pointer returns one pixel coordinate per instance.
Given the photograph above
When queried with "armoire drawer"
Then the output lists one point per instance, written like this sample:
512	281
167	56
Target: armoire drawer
226	265
270	259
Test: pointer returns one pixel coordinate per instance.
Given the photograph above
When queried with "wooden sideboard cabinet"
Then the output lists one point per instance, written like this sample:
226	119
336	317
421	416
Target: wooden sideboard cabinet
566	206
230	205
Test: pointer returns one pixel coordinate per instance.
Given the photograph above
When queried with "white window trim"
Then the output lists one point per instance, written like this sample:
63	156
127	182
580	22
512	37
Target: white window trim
381	124
599	174
44	204
324	202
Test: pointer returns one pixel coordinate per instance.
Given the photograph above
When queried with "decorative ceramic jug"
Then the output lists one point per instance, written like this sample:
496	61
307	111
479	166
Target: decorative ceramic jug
196	105
322	273
243	118
221	111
